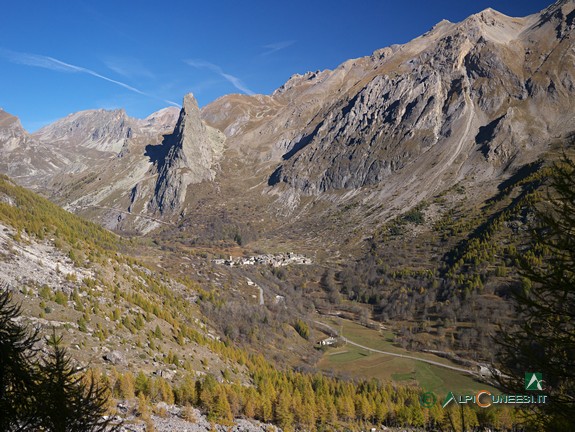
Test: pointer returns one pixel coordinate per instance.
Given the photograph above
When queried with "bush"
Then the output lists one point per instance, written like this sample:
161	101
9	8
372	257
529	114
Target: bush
61	298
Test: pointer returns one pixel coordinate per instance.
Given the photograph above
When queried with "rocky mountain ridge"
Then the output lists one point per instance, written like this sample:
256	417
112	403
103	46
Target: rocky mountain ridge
108	164
470	101
437	96
23	157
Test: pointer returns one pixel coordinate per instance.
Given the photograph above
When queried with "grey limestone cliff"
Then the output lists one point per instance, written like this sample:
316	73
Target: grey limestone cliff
191	156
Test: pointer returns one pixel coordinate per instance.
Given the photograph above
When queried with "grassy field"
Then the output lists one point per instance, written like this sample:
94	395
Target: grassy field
356	362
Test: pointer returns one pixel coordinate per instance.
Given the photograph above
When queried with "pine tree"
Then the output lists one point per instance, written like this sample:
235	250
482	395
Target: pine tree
142	384
544	338
68	402
17	377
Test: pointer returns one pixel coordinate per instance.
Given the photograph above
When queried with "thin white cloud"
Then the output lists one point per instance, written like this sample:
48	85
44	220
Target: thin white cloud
235	81
51	63
36	61
128	67
275	47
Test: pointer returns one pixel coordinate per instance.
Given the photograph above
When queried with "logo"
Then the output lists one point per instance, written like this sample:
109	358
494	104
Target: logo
427	400
450	397
486	402
533	381
485	399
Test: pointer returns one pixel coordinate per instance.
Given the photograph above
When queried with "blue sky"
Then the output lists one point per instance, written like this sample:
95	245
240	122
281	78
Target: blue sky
59	57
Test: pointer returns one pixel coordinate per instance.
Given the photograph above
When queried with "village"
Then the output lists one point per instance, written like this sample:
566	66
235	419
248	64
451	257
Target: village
275	260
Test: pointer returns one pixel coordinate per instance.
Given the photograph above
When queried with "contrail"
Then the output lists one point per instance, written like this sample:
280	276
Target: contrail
46	62
235	81
275	47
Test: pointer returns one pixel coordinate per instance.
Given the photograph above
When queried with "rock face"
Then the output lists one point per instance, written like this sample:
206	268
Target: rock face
11	132
23	157
192	153
105	131
499	82
76	144
124	172
108	163
101	130
466	102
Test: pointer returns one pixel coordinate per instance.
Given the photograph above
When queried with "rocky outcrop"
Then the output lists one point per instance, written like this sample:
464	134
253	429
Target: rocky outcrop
11	132
126	171
191	156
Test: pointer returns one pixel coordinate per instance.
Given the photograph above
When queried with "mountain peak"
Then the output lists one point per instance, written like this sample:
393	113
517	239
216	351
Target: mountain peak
190	102
11	131
100	129
192	153
494	26
163	120
7	119
488	17
164	111
196	144
299	79
426	104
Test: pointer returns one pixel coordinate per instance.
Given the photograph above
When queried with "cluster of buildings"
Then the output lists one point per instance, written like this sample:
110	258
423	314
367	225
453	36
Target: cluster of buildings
274	260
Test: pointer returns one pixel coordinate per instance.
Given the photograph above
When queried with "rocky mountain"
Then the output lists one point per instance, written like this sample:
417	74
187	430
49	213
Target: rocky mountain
23	157
465	102
464	98
12	131
105	131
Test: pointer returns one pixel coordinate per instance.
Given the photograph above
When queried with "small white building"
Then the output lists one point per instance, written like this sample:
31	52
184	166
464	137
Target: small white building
328	341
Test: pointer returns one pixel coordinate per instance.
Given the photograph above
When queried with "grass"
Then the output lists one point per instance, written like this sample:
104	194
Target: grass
345	357
403	376
378	339
357	362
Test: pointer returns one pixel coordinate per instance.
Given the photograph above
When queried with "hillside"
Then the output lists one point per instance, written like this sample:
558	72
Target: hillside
71	274
143	332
